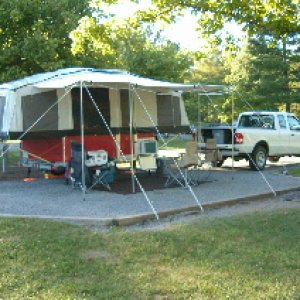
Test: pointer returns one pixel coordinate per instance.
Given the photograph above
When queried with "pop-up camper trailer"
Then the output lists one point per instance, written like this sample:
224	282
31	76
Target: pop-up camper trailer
49	110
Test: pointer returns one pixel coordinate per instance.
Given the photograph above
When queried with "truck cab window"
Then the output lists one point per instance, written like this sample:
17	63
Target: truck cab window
294	123
257	121
267	122
282	122
249	121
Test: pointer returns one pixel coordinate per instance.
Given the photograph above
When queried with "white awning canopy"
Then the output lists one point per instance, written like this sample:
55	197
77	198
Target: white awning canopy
22	101
103	77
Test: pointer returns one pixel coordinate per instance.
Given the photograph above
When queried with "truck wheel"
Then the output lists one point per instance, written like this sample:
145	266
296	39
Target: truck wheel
258	158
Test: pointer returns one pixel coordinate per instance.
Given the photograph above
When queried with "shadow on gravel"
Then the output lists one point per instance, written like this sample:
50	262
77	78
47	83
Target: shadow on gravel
15	172
122	183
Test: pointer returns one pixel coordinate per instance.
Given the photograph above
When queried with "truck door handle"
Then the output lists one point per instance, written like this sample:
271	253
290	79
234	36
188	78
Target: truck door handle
292	134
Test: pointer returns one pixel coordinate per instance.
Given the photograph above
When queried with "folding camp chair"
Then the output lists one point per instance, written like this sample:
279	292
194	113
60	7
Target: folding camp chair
102	175
183	171
75	167
212	153
96	168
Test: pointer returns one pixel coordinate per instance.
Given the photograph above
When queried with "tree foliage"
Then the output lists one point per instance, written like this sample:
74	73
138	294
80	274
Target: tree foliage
208	69
40	35
123	43
34	35
274	17
261	78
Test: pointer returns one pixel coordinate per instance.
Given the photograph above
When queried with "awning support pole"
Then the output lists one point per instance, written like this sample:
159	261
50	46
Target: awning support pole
121	152
131	137
232	134
198	120
82	143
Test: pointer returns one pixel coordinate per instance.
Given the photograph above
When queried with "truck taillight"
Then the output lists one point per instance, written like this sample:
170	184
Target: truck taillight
239	138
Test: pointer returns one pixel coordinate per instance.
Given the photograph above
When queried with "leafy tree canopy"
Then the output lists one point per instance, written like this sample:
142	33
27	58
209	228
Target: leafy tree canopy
34	35
105	41
276	17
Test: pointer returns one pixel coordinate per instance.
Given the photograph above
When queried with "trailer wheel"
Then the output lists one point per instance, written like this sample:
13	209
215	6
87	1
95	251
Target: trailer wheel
258	158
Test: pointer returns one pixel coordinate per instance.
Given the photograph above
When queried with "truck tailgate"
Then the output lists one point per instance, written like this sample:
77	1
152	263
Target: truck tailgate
222	134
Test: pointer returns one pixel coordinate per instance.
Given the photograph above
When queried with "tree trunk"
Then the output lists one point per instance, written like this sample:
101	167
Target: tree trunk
286	75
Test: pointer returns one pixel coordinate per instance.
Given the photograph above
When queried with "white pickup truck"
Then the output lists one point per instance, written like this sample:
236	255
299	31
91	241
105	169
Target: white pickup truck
257	136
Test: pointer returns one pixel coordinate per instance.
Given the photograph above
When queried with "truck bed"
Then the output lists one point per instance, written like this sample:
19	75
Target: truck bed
222	134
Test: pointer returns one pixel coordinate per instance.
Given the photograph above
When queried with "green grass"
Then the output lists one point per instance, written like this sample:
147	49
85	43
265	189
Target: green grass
11	158
294	172
172	143
251	257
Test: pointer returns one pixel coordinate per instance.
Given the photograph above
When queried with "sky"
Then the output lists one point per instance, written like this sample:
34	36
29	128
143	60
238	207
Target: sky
182	32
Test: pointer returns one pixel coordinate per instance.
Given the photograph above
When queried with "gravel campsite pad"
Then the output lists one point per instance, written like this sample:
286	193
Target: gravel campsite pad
53	199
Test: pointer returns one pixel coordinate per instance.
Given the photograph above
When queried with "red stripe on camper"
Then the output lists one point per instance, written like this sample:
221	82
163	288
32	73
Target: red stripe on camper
59	150
46	149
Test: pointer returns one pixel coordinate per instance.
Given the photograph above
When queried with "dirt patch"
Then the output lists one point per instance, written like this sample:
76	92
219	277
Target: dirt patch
123	184
9	239
95	254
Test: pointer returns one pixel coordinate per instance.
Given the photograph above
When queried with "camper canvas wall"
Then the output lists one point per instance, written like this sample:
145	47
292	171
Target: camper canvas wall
23	102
